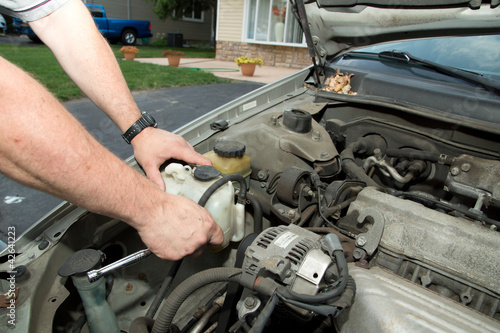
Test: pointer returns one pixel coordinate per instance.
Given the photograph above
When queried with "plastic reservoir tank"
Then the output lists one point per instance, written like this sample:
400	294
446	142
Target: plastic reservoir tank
230	159
192	183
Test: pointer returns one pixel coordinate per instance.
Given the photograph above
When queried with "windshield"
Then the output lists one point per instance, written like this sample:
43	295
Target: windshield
478	54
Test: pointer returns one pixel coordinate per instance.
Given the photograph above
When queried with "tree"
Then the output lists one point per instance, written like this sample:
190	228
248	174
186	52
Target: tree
176	9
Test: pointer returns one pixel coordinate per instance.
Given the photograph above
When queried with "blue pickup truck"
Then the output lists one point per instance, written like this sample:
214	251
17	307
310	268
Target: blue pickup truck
115	30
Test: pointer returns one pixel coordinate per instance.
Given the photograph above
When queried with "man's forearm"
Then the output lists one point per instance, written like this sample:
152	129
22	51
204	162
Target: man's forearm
71	34
88	60
43	146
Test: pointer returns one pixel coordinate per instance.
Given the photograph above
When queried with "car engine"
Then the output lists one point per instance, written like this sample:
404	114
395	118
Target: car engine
337	215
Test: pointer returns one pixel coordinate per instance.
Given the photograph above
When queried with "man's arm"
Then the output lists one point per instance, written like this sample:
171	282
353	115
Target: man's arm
86	57
43	146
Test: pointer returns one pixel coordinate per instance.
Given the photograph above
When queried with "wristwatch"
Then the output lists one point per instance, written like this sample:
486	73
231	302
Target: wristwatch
145	121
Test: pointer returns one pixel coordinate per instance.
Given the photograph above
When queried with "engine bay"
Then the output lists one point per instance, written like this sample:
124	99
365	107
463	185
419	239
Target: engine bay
343	216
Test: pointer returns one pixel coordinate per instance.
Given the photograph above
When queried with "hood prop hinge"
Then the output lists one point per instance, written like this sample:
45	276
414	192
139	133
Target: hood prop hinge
299	11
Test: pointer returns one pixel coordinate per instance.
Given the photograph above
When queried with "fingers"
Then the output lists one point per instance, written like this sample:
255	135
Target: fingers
217	236
155	146
195	158
153	173
186	152
181	228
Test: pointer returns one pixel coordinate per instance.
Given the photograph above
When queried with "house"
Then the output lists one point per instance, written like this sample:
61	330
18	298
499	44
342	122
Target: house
260	28
192	30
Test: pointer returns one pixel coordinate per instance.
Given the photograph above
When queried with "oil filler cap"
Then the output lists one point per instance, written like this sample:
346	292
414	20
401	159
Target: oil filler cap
81	262
229	149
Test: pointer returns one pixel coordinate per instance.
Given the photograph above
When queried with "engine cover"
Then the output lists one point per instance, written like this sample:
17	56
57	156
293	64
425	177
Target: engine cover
384	302
454	245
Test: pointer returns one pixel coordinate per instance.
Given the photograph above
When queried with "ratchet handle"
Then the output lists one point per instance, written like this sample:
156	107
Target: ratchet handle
95	274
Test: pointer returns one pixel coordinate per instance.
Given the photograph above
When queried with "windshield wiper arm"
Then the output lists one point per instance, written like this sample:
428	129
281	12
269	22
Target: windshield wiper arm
448	70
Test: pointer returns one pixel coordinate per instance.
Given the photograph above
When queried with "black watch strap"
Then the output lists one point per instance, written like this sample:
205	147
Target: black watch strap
145	121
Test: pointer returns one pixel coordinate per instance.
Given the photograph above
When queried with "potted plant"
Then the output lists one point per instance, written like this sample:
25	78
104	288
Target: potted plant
248	65
174	57
129	52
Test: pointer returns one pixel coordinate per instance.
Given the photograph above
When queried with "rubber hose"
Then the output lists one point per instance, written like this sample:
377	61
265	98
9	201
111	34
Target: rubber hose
420	155
167	282
314	299
264	315
186	288
257	213
332	210
365	145
356	172
222	181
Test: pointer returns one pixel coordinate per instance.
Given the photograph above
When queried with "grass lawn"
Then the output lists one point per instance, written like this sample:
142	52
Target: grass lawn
41	63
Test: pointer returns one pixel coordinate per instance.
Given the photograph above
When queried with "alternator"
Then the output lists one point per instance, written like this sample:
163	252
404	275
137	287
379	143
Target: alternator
289	254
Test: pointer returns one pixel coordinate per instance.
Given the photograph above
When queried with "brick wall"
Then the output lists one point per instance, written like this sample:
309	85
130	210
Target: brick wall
271	55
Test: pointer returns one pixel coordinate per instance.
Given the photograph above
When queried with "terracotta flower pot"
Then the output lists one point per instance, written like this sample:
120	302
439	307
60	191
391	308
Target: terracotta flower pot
174	60
129	55
247	69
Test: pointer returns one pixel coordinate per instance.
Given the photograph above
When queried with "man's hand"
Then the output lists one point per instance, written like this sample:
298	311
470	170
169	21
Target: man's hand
179	228
153	146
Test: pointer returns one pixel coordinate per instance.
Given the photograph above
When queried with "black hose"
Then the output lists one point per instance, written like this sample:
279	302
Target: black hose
257	213
160	295
420	155
322	297
323	216
265	314
356	172
367	146
332	210
186	288
222	181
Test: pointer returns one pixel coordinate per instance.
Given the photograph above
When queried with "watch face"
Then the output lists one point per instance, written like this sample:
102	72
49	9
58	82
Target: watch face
149	119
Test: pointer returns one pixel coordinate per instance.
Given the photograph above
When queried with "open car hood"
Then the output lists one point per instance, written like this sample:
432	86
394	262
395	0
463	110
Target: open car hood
333	27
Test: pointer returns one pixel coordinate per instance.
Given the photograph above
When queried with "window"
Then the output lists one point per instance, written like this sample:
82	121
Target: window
95	11
194	14
271	21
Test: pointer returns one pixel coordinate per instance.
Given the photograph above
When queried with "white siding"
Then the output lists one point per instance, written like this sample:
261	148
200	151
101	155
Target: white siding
230	20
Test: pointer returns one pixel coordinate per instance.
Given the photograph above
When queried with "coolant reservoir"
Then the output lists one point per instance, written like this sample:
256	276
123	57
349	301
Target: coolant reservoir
192	183
230	159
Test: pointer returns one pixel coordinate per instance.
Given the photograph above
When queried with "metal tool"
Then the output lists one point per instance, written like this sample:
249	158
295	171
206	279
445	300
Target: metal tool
95	274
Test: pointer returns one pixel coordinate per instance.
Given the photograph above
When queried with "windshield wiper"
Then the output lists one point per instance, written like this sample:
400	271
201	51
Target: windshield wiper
406	57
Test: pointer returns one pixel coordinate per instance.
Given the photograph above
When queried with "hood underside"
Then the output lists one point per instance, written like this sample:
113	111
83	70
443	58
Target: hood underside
339	26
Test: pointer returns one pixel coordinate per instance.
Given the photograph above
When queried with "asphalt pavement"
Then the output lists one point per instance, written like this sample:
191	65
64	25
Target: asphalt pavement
21	206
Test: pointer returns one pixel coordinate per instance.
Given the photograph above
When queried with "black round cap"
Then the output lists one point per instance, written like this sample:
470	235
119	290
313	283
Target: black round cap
205	173
298	121
229	149
80	262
